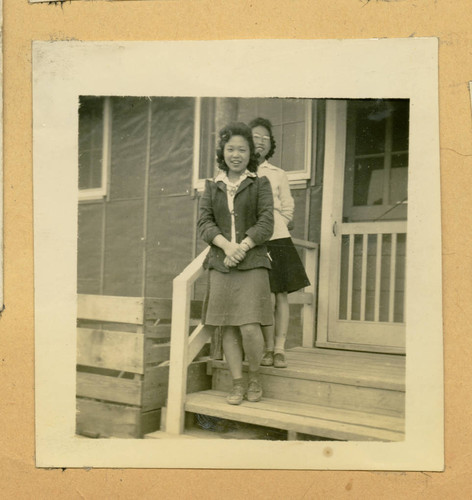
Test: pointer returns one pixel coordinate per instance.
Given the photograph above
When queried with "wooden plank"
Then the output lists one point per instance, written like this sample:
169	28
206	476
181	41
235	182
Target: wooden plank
300	297
160	331
268	413
161	308
179	350
156	381
113	389
330	375
305	244
376	227
336	395
110	308
107	419
156	353
200	336
150	422
381	359
113	350
292	435
311	268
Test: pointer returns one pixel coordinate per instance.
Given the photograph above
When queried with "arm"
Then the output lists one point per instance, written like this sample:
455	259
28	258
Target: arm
207	228
262	230
287	204
211	233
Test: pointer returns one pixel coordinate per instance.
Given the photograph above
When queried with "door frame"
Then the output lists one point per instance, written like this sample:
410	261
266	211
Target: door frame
332	211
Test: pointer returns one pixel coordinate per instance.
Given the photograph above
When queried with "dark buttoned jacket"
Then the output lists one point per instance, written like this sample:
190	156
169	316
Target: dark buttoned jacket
253	215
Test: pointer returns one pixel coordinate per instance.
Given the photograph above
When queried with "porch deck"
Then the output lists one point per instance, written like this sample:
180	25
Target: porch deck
330	394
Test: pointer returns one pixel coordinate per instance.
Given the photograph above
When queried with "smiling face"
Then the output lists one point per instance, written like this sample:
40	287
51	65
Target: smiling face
236	154
261	139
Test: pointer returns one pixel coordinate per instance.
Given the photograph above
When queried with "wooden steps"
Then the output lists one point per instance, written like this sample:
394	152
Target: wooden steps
335	423
371	383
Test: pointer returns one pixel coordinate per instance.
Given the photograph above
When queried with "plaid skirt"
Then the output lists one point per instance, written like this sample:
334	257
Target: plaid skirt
238	298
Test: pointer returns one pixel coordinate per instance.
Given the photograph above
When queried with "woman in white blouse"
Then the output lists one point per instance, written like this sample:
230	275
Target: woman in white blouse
287	274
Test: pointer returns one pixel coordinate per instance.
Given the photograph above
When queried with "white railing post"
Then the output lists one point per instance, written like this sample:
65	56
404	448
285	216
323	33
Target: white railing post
309	307
177	388
308	334
179	347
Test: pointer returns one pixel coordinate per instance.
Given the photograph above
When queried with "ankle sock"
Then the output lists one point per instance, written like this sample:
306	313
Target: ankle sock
238	381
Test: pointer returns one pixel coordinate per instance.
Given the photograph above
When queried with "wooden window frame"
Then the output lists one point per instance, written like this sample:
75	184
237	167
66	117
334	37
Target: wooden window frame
297	178
102	191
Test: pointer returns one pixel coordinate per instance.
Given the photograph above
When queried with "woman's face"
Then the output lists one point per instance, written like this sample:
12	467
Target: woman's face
237	154
261	139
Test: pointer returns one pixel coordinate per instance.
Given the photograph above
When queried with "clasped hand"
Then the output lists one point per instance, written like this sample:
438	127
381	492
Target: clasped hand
234	254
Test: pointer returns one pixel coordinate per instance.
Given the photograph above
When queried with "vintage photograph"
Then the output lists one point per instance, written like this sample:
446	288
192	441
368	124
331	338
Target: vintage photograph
236	259
325	358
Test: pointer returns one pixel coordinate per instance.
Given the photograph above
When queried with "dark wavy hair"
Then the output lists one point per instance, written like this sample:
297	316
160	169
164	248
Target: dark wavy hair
225	134
263	122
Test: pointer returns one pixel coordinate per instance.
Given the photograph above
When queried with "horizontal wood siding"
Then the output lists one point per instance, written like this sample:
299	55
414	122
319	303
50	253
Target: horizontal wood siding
101	420
118	390
156	380
109	308
121	351
323	393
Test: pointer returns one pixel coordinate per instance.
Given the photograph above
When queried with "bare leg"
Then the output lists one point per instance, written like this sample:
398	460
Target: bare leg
269	336
253	343
233	349
282	315
268	331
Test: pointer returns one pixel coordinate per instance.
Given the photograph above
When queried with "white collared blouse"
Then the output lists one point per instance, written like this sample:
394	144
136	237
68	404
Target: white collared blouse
231	188
283	201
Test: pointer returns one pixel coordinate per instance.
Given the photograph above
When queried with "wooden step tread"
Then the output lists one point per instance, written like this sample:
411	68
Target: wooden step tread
340	373
300	417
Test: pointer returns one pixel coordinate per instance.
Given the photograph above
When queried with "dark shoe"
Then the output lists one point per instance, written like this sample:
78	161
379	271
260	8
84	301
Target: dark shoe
254	391
236	396
279	360
267	359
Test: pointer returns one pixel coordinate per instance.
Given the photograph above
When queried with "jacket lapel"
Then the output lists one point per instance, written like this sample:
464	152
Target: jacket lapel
246	182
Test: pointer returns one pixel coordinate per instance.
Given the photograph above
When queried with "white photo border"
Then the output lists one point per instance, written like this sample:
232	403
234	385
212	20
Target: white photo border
387	68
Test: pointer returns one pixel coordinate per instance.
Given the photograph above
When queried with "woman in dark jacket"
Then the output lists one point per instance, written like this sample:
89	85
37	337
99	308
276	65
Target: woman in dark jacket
236	219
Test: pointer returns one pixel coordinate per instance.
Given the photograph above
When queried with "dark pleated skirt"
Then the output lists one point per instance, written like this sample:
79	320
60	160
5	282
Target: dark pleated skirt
238	298
287	273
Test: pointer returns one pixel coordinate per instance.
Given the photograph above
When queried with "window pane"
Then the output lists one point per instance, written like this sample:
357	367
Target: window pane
90	142
401	122
288	126
370	126
399	178
293	146
368	181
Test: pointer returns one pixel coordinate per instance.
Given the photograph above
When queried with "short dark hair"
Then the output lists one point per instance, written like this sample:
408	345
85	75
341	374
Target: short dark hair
225	134
264	122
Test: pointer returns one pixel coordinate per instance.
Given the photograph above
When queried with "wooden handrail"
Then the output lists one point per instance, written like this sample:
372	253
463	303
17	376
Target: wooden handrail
179	343
194	270
184	348
305	244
